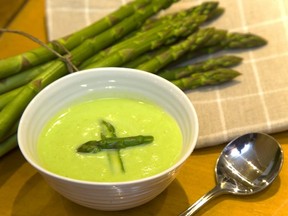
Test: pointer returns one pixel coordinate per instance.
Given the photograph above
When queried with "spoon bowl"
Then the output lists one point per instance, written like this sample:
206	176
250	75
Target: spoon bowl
247	165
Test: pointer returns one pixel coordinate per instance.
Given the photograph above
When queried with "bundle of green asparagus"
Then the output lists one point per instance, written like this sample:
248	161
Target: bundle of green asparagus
129	37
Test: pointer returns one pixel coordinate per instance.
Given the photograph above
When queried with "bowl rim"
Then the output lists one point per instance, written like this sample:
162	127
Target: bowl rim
58	82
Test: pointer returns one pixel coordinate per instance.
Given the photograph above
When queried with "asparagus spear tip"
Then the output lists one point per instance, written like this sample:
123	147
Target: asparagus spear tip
213	77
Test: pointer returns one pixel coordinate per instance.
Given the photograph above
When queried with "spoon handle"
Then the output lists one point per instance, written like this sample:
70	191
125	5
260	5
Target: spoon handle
216	191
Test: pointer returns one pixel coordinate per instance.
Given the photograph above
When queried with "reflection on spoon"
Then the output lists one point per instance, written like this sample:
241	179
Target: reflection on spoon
247	165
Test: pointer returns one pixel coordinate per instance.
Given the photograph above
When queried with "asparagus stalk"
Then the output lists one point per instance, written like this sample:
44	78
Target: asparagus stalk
20	79
122	45
142	44
146	57
231	41
198	14
13	111
213	77
206	8
215	14
210	64
220	40
147	36
174	52
7	117
8	144
40	55
241	40
223	40
10	133
9	96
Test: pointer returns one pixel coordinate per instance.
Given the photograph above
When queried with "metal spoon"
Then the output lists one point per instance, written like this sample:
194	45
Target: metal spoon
247	165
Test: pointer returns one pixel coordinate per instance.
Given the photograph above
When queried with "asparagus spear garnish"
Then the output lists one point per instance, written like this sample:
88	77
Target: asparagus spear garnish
210	64
40	55
147	57
12	111
213	77
114	143
109	131
19	79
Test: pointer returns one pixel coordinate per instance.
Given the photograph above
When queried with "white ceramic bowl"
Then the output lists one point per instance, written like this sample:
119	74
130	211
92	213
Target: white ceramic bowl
107	82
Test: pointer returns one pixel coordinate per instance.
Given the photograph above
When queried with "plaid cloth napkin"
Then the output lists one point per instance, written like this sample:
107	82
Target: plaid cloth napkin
256	101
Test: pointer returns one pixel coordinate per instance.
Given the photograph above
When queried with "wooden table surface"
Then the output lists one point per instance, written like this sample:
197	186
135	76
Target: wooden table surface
24	192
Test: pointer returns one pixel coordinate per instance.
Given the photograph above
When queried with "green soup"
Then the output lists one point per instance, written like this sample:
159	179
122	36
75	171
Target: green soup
80	123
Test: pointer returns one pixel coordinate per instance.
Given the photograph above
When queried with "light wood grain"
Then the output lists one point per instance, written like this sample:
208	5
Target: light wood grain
9	10
30	19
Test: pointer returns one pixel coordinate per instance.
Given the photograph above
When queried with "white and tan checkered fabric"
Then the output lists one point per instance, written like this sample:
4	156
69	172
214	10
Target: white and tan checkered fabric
256	101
